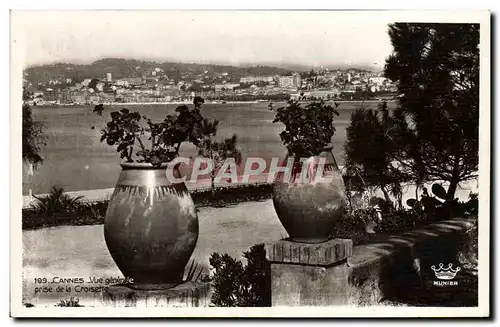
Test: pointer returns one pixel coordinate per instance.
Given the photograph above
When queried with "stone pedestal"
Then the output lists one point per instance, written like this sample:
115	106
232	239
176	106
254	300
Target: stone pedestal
304	274
186	295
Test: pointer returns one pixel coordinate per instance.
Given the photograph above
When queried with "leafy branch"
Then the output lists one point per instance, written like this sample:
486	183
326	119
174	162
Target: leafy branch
128	130
308	129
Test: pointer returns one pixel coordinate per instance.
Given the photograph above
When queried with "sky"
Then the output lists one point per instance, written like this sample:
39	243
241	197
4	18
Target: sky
315	38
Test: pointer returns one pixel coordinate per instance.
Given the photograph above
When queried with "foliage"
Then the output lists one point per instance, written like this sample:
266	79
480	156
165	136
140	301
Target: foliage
358	95
236	285
93	213
32	139
93	84
435	127
352	225
400	220
469	250
219	152
369	152
308	129
383	217
222	196
470	208
438	207
194	272
57	208
125	131
55	204
71	302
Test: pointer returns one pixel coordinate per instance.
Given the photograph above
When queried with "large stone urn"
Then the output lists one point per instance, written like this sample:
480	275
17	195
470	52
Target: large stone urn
151	226
309	207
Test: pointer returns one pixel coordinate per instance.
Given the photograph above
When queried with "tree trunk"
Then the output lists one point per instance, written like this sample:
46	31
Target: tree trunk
450	195
348	195
212	185
386	194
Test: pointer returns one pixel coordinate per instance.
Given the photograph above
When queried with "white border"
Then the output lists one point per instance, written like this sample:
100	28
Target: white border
482	17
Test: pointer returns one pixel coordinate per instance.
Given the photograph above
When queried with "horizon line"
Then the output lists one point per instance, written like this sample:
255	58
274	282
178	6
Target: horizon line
214	63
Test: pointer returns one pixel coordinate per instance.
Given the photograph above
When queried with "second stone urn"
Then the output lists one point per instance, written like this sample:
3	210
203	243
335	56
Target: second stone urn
309	205
151	226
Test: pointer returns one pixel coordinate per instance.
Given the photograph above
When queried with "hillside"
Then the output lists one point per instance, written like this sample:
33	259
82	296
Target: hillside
120	68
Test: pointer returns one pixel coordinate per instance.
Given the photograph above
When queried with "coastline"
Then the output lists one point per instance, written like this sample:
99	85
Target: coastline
92	208
98	195
189	102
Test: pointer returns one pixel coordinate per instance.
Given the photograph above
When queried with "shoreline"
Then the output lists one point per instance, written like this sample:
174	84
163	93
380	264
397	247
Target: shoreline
91	208
98	195
190	102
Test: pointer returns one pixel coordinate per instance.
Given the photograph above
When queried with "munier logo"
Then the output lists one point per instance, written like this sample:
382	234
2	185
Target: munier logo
445	275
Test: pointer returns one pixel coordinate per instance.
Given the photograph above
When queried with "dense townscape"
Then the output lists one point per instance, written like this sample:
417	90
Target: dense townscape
150	83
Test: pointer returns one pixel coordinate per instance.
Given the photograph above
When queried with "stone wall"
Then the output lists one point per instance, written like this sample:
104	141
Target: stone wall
393	267
334	273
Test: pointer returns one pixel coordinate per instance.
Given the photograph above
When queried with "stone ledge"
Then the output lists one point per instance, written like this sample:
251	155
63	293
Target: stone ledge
320	254
389	245
385	268
186	295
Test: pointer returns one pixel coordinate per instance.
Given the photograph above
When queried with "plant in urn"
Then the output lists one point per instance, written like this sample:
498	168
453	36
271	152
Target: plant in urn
151	225
309	191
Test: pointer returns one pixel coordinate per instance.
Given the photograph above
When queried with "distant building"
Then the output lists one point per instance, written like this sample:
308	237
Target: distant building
286	82
223	87
290	81
297	80
253	79
86	82
50	95
130	81
100	86
377	80
109	77
324	94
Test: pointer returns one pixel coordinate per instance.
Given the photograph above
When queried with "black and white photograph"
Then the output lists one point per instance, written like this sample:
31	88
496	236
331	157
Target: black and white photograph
246	163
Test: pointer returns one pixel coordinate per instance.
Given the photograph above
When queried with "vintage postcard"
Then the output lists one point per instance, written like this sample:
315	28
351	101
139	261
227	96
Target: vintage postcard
177	163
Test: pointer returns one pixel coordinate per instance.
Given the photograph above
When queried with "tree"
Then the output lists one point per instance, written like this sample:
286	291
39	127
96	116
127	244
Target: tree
196	87
93	84
436	125
238	285
32	139
218	152
368	149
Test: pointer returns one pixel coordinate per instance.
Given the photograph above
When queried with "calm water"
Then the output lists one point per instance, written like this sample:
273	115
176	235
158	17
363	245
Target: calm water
76	160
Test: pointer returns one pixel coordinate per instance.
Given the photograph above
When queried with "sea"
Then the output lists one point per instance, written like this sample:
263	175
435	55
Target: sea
75	159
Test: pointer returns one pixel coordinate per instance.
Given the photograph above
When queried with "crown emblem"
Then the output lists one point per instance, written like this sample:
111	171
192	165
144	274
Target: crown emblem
445	273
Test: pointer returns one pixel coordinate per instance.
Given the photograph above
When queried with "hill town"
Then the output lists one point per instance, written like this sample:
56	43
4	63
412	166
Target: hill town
113	80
